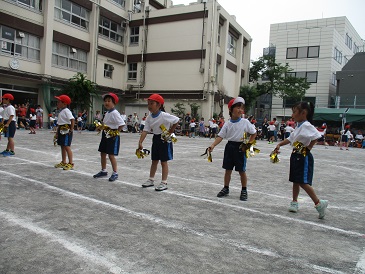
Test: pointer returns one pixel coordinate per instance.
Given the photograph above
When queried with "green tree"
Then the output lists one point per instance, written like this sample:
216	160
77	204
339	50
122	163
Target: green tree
81	90
250	94
275	78
194	110
179	110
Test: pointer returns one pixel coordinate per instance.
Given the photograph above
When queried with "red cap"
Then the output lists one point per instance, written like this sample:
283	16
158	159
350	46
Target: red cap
272	122
347	126
64	99
236	101
323	126
50	115
113	95
32	110
156	97
8	96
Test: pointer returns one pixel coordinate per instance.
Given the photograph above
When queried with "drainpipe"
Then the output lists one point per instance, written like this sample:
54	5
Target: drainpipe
210	80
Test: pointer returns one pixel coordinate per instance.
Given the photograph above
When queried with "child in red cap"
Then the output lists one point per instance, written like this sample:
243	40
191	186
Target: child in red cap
8	114
66	123
161	150
234	157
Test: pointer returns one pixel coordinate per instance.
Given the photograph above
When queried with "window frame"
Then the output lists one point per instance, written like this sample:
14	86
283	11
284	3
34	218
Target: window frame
337	55
118	33
293	52
348	41
108	71
71	58
134	36
231	45
132	71
63	11
119	2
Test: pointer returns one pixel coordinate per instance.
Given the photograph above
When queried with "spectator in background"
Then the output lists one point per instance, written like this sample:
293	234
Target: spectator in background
201	128
39	114
265	124
277	128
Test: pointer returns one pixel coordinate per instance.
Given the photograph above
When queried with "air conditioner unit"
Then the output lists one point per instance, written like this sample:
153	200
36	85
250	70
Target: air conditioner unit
124	25
204	1
129	87
21	34
73	50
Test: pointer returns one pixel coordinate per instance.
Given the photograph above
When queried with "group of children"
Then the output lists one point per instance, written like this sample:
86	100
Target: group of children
303	138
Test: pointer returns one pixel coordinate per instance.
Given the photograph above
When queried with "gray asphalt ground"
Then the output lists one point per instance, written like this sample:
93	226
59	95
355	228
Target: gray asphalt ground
55	221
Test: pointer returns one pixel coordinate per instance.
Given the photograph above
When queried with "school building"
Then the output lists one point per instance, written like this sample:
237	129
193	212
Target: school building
194	53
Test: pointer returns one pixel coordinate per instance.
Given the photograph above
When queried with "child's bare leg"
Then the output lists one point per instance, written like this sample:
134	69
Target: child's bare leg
10	145
69	154
243	178
227	177
103	160
296	189
310	191
165	171
153	168
113	161
63	154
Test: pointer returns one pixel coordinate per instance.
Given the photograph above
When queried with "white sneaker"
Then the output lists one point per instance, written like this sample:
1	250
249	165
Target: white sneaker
148	183
162	186
294	206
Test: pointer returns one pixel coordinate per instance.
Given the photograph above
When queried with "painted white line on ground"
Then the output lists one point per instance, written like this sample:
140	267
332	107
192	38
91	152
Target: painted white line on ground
360	266
177	225
77	249
170	192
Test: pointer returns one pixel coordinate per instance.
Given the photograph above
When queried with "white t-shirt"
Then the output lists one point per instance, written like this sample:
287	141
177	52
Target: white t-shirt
305	132
289	129
348	133
153	122
192	124
271	127
1	112
233	130
113	119
8	111
33	117
64	117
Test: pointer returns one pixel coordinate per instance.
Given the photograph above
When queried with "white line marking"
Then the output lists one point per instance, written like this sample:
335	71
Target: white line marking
176	225
77	249
170	192
360	266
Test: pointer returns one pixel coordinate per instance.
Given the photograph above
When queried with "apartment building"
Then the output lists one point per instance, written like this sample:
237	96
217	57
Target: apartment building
194	53
314	49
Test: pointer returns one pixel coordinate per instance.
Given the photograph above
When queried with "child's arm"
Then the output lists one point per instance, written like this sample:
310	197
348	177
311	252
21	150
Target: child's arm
172	128
252	138
72	124
282	143
216	142
141	139
311	144
9	121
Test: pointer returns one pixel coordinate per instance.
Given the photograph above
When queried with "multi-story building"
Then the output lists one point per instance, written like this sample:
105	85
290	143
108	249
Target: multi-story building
194	53
315	50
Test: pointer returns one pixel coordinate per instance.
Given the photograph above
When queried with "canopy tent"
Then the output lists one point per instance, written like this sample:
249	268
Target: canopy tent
355	115
344	115
329	114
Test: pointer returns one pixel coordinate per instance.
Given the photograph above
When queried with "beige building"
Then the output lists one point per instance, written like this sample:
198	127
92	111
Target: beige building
314	49
196	53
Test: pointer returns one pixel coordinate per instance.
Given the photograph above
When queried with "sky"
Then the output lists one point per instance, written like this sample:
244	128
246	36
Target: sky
256	16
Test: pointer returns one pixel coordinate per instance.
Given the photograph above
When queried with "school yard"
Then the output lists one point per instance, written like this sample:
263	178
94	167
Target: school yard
55	221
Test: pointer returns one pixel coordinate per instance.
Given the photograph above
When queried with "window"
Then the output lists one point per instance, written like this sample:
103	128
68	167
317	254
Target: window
33	4
113	31
71	13
216	72
345	59
310	76
132	71
136	6
348	41
120	2
27	46
232	43
219	34
302	52
338	56
68	57
134	37
333	80
356	48
108	71
289	102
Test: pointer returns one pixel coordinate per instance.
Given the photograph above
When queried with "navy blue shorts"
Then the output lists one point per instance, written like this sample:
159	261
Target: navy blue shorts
32	123
301	168
234	157
344	138
109	146
161	150
10	132
64	139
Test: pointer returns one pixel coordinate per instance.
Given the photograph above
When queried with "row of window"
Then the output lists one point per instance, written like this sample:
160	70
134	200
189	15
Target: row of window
310	76
350	45
302	52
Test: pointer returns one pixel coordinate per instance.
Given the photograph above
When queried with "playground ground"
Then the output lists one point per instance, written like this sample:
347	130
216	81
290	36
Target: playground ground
56	221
